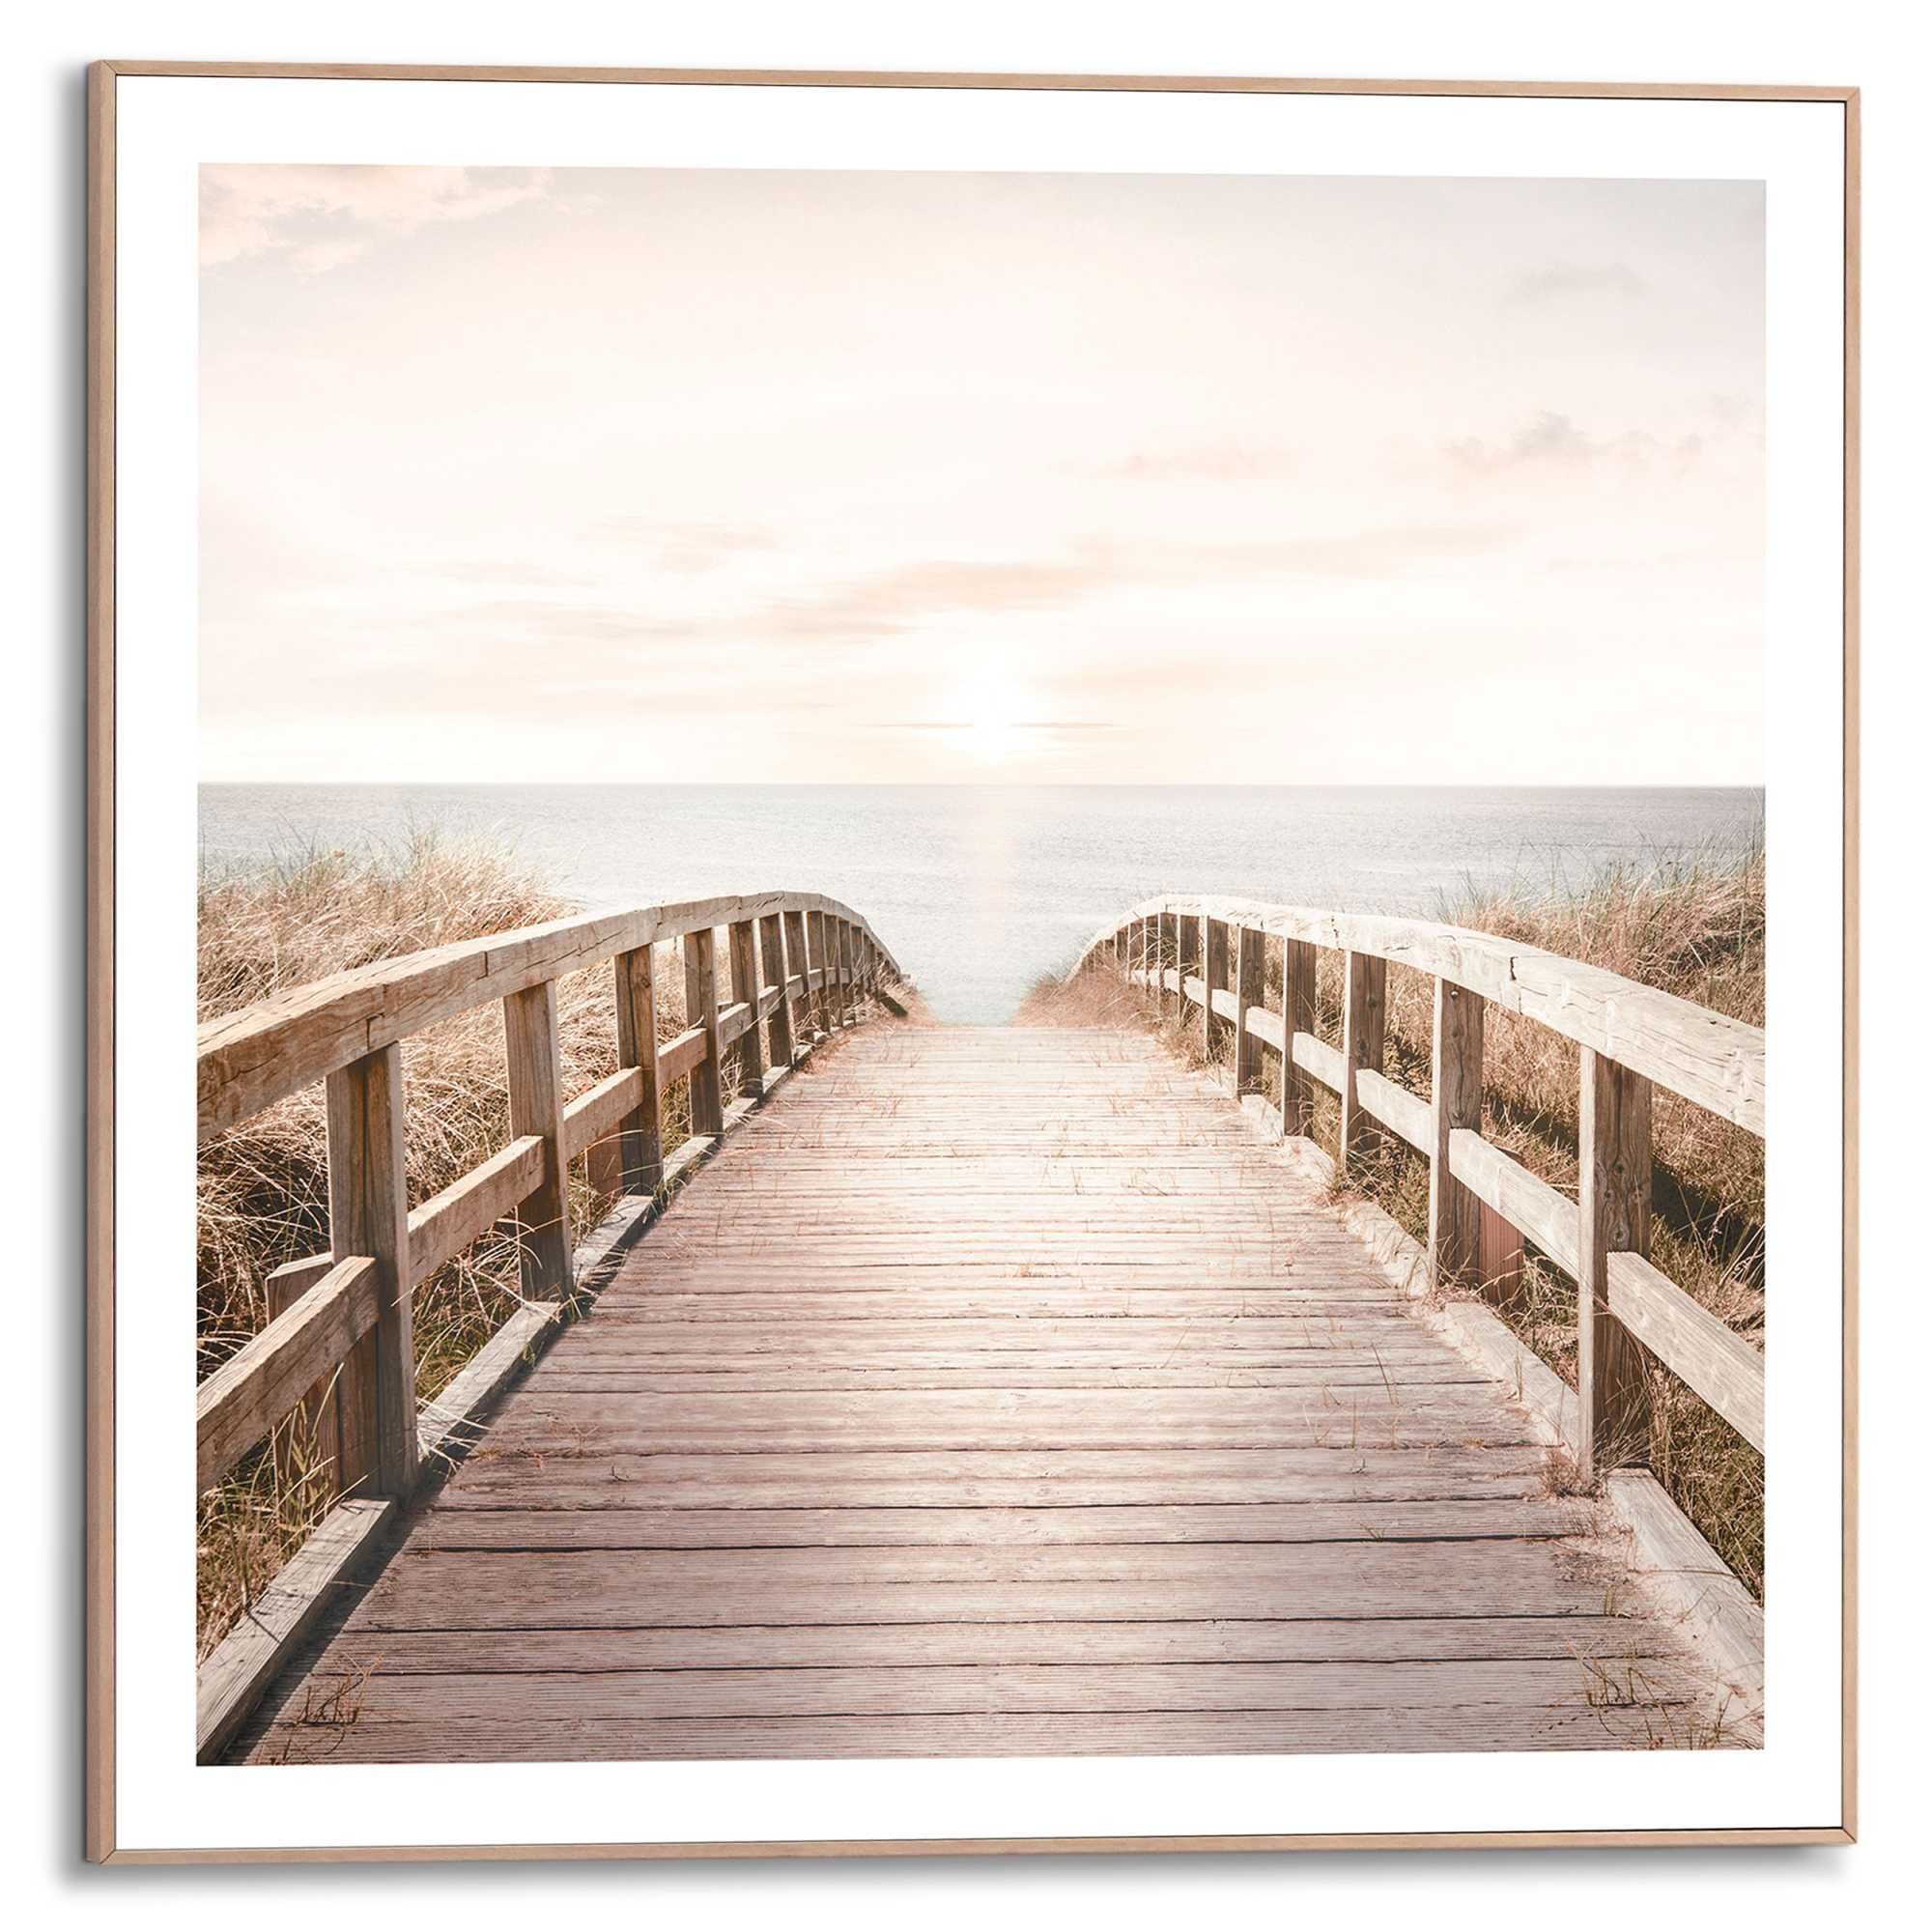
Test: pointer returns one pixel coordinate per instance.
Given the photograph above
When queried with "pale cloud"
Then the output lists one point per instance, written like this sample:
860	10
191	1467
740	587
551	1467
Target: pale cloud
1209	462
319	217
687	550
1552	441
1542	285
915	594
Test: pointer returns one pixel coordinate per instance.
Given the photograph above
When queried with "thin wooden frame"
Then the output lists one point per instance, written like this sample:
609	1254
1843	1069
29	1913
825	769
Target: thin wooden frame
100	1842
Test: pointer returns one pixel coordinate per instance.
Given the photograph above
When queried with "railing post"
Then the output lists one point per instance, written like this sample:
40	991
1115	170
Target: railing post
632	1162
369	1214
701	1009
1297	1015
1614	1160
1456	1089
798	961
745	990
1248	992
828	965
841	953
821	954
772	943
1215	975
1187	951
1365	982
1170	926
536	1107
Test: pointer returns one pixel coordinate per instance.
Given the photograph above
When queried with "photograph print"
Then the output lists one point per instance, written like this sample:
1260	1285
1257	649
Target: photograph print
981	968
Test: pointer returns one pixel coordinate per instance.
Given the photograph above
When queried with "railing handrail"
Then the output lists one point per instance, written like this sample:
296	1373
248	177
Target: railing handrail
248	1060
1704	1057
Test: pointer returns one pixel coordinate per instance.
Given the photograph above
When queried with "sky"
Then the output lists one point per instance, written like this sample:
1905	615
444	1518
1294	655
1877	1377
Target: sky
734	477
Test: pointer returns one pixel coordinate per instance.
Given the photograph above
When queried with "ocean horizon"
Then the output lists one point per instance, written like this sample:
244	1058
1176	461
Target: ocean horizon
980	889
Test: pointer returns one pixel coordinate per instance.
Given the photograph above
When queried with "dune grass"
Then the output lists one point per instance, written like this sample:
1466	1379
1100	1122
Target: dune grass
262	1190
1693	925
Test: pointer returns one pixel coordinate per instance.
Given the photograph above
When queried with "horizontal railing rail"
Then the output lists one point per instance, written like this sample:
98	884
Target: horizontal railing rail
339	1344
249	1060
1210	954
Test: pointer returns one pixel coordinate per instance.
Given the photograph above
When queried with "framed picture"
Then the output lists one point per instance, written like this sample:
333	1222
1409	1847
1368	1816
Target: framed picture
974	870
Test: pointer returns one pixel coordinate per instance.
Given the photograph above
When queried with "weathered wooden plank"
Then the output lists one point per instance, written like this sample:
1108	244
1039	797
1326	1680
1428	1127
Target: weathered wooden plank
1214	978
1394	1639
538	1696
1313	1055
1364	1025
1068	1477
595	1588
1296	1334
590	1122
1456	1101
700	1007
640	1163
777	978
1613	1216
1010	1369
798	963
1434	1520
744	967
841	957
1691	1341
681	1054
261	1382
317	1418
446	1223
1249	960
369	1214
533	1062
232	1678
1694	1585
1391	1105
1525	1201
1296	1097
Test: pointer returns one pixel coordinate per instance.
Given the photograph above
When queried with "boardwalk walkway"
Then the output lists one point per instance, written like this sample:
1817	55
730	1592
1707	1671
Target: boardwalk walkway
995	1391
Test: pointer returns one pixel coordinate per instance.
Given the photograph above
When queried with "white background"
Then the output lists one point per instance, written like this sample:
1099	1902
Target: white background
1713	42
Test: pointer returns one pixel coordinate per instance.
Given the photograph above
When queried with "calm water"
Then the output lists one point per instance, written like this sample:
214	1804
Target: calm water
980	889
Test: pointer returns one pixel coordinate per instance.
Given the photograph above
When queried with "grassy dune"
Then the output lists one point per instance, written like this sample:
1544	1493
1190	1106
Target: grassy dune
1694	926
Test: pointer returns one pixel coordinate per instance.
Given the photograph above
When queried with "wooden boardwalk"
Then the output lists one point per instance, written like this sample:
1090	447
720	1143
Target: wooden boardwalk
996	1392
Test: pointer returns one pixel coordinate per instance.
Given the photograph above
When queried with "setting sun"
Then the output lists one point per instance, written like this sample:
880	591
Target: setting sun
991	708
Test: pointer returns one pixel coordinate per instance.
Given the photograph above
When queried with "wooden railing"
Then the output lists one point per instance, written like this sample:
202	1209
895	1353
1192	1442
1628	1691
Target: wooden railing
1209	954
340	1341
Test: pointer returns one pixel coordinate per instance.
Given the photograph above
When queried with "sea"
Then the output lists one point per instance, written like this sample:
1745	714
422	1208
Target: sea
980	889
